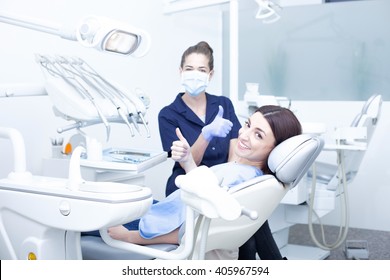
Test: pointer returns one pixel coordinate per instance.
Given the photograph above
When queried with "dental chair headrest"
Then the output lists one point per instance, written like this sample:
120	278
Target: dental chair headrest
291	159
371	108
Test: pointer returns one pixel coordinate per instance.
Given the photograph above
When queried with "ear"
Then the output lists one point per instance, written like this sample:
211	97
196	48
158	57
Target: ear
211	74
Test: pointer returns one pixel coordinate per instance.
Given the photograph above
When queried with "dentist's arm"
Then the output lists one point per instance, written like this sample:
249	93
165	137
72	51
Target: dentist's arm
181	152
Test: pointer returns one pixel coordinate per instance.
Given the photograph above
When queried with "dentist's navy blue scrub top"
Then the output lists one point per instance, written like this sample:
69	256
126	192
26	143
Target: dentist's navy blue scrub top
178	114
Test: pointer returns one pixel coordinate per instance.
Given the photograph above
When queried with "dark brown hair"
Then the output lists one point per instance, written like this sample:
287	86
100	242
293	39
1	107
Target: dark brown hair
283	122
202	48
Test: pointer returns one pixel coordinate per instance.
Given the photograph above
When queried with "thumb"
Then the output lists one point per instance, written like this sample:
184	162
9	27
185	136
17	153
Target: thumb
180	136
220	111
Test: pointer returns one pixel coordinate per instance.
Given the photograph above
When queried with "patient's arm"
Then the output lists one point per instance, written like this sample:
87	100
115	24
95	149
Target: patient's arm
181	152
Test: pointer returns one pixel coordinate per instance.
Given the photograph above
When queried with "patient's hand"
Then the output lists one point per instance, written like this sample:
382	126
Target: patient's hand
181	152
119	233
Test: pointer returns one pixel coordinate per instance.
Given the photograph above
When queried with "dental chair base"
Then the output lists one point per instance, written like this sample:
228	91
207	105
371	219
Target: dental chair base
281	220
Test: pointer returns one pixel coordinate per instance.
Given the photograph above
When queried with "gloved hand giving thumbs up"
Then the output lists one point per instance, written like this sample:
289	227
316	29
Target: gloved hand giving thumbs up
219	127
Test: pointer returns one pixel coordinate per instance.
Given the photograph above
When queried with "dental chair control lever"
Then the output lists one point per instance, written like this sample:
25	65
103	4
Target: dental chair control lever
251	214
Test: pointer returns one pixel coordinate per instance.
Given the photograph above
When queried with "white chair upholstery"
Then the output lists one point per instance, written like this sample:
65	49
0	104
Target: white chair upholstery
258	197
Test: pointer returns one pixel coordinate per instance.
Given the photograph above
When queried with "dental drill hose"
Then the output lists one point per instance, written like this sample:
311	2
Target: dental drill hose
345	214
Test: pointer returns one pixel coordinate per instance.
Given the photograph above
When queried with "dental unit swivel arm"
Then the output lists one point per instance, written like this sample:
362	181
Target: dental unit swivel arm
76	69
135	106
79	93
56	68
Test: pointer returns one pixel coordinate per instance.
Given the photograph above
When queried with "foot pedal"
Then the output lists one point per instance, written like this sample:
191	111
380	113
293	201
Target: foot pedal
356	249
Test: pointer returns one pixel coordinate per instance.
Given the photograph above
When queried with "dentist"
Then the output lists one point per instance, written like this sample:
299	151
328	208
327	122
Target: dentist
207	121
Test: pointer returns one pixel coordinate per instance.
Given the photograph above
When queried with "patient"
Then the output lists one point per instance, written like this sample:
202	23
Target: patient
264	130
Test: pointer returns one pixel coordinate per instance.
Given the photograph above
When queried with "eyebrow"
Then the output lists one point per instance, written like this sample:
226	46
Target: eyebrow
192	67
257	128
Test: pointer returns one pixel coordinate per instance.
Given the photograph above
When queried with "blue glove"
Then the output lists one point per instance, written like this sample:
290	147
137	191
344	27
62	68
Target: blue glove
219	127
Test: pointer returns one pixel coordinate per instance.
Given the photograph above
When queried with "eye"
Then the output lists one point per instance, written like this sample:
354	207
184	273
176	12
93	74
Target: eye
258	135
247	124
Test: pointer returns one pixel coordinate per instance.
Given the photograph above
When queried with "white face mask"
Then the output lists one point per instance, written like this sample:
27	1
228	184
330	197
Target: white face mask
194	82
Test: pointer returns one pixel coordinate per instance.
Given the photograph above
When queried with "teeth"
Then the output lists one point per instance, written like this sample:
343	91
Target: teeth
242	145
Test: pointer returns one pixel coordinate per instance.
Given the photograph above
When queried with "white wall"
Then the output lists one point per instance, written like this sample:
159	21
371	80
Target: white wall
156	73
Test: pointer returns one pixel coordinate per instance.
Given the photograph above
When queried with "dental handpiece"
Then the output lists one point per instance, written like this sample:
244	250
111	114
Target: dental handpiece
145	124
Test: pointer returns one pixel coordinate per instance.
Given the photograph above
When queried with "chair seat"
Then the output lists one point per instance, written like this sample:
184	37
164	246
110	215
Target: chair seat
94	248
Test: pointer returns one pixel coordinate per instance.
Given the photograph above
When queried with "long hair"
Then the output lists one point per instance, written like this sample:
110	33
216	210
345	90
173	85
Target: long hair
283	122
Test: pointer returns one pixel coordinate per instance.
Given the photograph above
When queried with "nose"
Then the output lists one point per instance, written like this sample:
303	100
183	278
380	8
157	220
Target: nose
243	134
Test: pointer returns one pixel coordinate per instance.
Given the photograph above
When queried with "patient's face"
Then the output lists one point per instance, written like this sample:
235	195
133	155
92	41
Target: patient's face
255	141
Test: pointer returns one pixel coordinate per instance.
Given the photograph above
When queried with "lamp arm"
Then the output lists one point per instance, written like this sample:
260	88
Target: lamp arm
96	32
39	25
30	23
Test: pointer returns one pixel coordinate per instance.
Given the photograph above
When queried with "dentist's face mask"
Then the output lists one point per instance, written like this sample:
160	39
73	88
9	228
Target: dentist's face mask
194	81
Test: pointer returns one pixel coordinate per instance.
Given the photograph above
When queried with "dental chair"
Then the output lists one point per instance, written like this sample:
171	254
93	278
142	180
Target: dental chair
352	142
350	147
220	220
327	182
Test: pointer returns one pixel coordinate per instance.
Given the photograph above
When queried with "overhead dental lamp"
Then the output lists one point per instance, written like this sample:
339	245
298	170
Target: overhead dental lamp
267	12
101	33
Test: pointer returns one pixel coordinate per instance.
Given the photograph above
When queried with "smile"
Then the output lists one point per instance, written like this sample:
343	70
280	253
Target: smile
243	146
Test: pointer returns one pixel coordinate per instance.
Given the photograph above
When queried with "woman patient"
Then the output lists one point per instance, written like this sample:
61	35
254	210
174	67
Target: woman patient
264	130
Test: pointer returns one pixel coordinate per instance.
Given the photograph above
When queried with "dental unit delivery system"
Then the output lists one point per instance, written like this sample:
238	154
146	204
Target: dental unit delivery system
79	93
42	217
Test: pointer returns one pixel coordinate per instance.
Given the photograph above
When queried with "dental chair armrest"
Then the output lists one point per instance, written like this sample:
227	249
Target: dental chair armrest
349	133
250	183
351	146
200	190
324	172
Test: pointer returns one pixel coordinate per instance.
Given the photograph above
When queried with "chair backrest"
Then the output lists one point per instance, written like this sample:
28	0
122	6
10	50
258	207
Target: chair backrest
367	118
371	108
289	161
